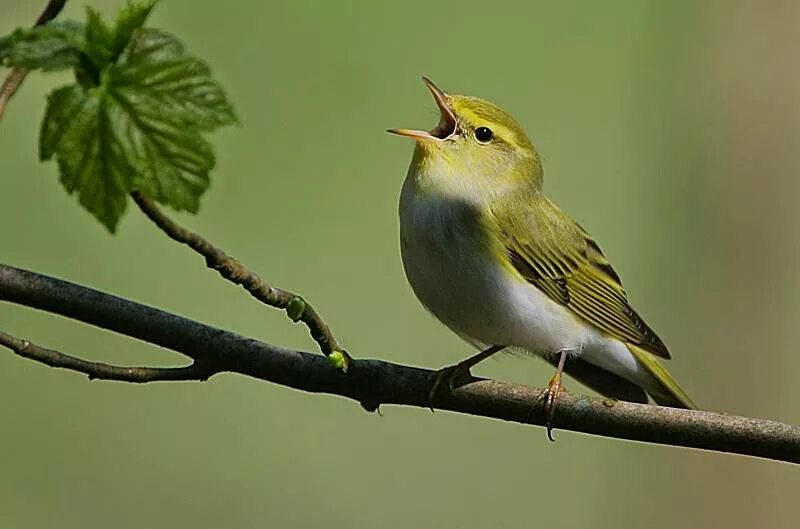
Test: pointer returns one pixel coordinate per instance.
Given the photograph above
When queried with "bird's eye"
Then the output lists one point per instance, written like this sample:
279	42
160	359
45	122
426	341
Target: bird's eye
483	134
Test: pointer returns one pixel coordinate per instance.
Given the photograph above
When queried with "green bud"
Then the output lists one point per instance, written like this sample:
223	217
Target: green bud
295	309
339	361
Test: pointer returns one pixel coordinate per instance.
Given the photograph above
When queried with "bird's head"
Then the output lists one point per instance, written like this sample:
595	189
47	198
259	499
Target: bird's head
476	148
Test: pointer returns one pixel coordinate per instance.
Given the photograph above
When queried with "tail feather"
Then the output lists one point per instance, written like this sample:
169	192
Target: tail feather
671	393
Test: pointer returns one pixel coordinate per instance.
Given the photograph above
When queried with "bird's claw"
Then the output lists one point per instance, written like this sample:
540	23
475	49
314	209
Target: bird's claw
549	397
453	375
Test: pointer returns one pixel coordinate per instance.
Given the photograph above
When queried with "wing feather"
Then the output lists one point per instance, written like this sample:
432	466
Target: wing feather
561	259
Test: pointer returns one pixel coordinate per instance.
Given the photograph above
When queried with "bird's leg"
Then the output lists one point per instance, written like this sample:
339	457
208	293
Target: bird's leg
550	394
456	373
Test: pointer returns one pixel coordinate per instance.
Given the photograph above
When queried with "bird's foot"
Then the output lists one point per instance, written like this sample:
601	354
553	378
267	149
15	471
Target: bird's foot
549	397
453	376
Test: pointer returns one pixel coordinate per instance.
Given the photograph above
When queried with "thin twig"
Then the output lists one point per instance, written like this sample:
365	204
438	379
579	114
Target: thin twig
232	270
374	382
15	77
99	370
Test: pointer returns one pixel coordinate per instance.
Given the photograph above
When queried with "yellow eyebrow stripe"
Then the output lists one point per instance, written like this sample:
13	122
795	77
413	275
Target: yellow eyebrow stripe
502	131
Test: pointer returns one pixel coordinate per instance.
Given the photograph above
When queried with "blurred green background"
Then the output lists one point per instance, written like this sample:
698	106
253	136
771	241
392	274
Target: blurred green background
671	130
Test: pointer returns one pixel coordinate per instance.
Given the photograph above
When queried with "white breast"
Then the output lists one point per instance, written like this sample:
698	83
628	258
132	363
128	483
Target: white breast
455	277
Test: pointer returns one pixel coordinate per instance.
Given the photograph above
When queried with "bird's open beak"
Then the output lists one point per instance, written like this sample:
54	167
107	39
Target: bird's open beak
447	127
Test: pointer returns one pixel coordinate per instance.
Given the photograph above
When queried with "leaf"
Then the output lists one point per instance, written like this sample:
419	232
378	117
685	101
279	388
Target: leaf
79	130
98	39
136	119
60	45
166	76
171	98
54	46
129	19
171	161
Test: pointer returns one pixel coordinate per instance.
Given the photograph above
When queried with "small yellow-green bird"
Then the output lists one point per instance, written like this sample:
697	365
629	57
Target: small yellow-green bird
503	267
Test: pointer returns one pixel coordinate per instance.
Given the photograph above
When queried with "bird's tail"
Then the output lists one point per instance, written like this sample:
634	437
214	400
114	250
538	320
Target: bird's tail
670	394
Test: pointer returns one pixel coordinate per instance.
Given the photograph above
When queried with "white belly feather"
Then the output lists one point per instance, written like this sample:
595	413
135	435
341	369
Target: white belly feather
456	278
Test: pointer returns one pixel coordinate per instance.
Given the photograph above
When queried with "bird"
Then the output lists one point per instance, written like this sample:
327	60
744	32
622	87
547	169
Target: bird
501	265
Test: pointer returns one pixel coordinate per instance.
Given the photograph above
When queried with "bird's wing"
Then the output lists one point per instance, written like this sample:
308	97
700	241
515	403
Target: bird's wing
552	252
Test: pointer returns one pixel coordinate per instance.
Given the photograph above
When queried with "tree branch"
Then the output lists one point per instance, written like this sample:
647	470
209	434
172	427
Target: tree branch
15	77
234	271
99	370
373	382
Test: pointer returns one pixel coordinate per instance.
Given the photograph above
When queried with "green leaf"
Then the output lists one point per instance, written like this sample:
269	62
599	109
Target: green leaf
172	162
129	19
67	44
172	99
79	130
135	120
54	46
166	76
98	39
62	104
